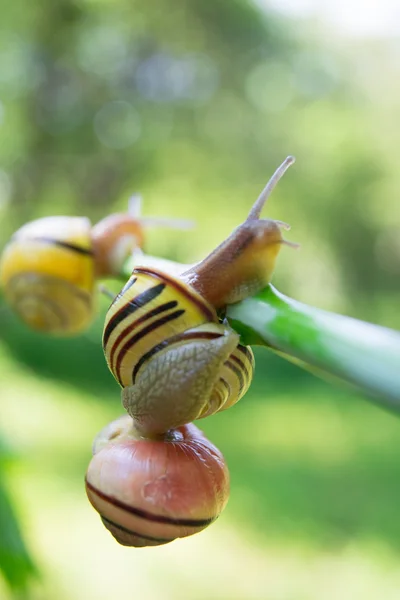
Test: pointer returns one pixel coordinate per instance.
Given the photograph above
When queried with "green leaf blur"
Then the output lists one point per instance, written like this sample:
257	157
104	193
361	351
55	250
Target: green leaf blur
15	562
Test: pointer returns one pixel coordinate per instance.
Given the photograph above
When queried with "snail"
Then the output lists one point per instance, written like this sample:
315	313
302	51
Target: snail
164	338
151	491
153	476
50	267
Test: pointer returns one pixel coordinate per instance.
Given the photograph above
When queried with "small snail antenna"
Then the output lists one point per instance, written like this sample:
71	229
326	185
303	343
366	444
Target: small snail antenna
167	222
135	211
294	245
263	197
106	292
135	206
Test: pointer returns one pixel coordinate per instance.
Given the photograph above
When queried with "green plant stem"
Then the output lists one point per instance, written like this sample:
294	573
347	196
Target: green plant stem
359	353
328	344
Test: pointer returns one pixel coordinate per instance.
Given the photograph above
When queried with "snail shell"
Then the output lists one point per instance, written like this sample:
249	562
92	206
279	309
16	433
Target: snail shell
47	274
171	355
150	492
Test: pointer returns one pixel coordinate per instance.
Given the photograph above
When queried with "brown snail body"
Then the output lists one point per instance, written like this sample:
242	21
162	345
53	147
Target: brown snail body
245	261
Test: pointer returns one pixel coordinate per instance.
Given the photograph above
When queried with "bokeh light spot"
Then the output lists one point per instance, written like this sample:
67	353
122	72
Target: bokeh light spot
102	50
163	78
60	102
19	71
5	189
269	86
315	76
117	124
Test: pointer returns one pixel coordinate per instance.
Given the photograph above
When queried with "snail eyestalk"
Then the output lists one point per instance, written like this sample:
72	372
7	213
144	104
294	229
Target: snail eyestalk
265	194
135	206
106	292
135	211
283	225
294	245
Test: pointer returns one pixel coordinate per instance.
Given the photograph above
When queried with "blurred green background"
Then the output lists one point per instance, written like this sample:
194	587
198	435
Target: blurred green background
194	103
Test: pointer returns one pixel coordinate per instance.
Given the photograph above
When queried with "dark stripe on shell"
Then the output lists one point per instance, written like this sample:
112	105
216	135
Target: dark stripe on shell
148	516
184	289
241	364
66	245
226	385
130	307
108	522
247	353
237	372
141	334
126	287
127	330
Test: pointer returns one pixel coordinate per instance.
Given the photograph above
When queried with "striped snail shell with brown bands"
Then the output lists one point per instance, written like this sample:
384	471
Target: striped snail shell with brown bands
150	492
164	340
49	269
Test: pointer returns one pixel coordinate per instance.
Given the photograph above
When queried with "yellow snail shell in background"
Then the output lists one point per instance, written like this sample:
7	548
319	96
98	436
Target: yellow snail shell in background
49	269
47	274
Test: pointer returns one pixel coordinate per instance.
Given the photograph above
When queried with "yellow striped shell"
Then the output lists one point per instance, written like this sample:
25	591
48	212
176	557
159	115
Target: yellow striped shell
168	350
47	274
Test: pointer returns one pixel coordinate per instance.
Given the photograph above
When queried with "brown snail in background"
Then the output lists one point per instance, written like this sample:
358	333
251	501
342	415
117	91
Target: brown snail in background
50	268
151	491
163	337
